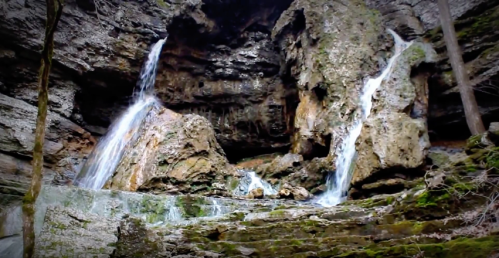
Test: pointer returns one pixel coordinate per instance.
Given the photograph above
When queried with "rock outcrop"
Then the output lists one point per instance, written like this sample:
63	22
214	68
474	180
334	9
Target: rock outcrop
99	49
476	23
66	144
394	136
328	47
174	154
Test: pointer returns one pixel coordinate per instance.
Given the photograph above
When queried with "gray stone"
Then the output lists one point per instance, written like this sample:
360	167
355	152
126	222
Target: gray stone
70	232
395	133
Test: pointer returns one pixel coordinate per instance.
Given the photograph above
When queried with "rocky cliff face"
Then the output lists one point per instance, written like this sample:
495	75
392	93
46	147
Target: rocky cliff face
477	35
270	76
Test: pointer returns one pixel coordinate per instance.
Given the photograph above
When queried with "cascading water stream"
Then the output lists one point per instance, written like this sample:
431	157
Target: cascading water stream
257	182
337	186
251	181
107	154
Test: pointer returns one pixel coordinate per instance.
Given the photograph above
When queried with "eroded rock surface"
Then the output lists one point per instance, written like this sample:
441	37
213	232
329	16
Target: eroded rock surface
174	154
66	144
329	47
221	63
395	134
439	222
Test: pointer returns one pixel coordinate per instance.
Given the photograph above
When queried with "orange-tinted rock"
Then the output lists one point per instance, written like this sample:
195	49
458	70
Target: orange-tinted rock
174	154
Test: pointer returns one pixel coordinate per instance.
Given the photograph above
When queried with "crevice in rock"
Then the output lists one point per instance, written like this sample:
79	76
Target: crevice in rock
387	181
420	77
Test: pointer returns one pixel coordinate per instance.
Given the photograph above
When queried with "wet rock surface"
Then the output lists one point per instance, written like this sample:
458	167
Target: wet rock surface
395	134
454	220
222	64
269	76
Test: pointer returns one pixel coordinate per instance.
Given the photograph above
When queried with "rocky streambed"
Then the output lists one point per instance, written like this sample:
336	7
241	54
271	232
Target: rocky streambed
451	212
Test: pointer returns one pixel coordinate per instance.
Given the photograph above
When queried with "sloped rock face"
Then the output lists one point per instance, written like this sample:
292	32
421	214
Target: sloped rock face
330	48
395	135
97	58
107	62
174	154
66	144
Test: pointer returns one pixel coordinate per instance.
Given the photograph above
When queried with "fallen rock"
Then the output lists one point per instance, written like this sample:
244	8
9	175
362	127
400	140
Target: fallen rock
174	154
64	229
297	193
256	193
281	166
493	133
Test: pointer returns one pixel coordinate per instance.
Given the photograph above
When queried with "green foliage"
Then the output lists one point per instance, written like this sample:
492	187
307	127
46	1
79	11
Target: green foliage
429	198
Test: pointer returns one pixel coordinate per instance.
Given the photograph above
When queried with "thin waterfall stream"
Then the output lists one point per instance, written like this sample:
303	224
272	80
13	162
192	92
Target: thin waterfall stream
106	156
337	184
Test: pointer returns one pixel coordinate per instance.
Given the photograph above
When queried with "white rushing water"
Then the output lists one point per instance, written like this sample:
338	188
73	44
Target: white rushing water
216	209
257	182
337	185
107	154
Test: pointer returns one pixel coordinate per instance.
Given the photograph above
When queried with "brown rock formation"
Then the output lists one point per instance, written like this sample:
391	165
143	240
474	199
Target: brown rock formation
174	154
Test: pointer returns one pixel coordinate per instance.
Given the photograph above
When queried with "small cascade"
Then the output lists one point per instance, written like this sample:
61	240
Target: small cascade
107	154
173	211
251	181
216	209
337	185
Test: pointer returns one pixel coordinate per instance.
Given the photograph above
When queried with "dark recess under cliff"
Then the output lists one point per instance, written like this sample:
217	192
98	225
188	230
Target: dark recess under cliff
225	67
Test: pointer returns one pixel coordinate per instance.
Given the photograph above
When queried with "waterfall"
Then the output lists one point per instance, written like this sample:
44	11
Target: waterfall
216	209
257	182
251	181
337	185
106	156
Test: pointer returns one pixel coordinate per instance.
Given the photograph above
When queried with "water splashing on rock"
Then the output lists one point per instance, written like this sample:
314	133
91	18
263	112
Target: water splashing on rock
216	209
337	184
109	151
251	181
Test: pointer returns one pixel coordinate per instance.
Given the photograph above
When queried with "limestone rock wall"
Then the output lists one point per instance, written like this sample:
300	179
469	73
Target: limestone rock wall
395	135
221	63
97	57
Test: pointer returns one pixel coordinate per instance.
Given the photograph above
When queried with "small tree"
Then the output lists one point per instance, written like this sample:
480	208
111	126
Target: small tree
54	11
473	117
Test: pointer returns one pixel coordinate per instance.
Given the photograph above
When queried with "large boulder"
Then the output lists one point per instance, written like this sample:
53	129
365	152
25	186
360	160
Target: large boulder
174	154
395	134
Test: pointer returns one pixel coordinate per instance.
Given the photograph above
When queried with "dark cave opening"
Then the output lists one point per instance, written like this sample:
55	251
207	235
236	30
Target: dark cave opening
203	70
446	118
235	154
